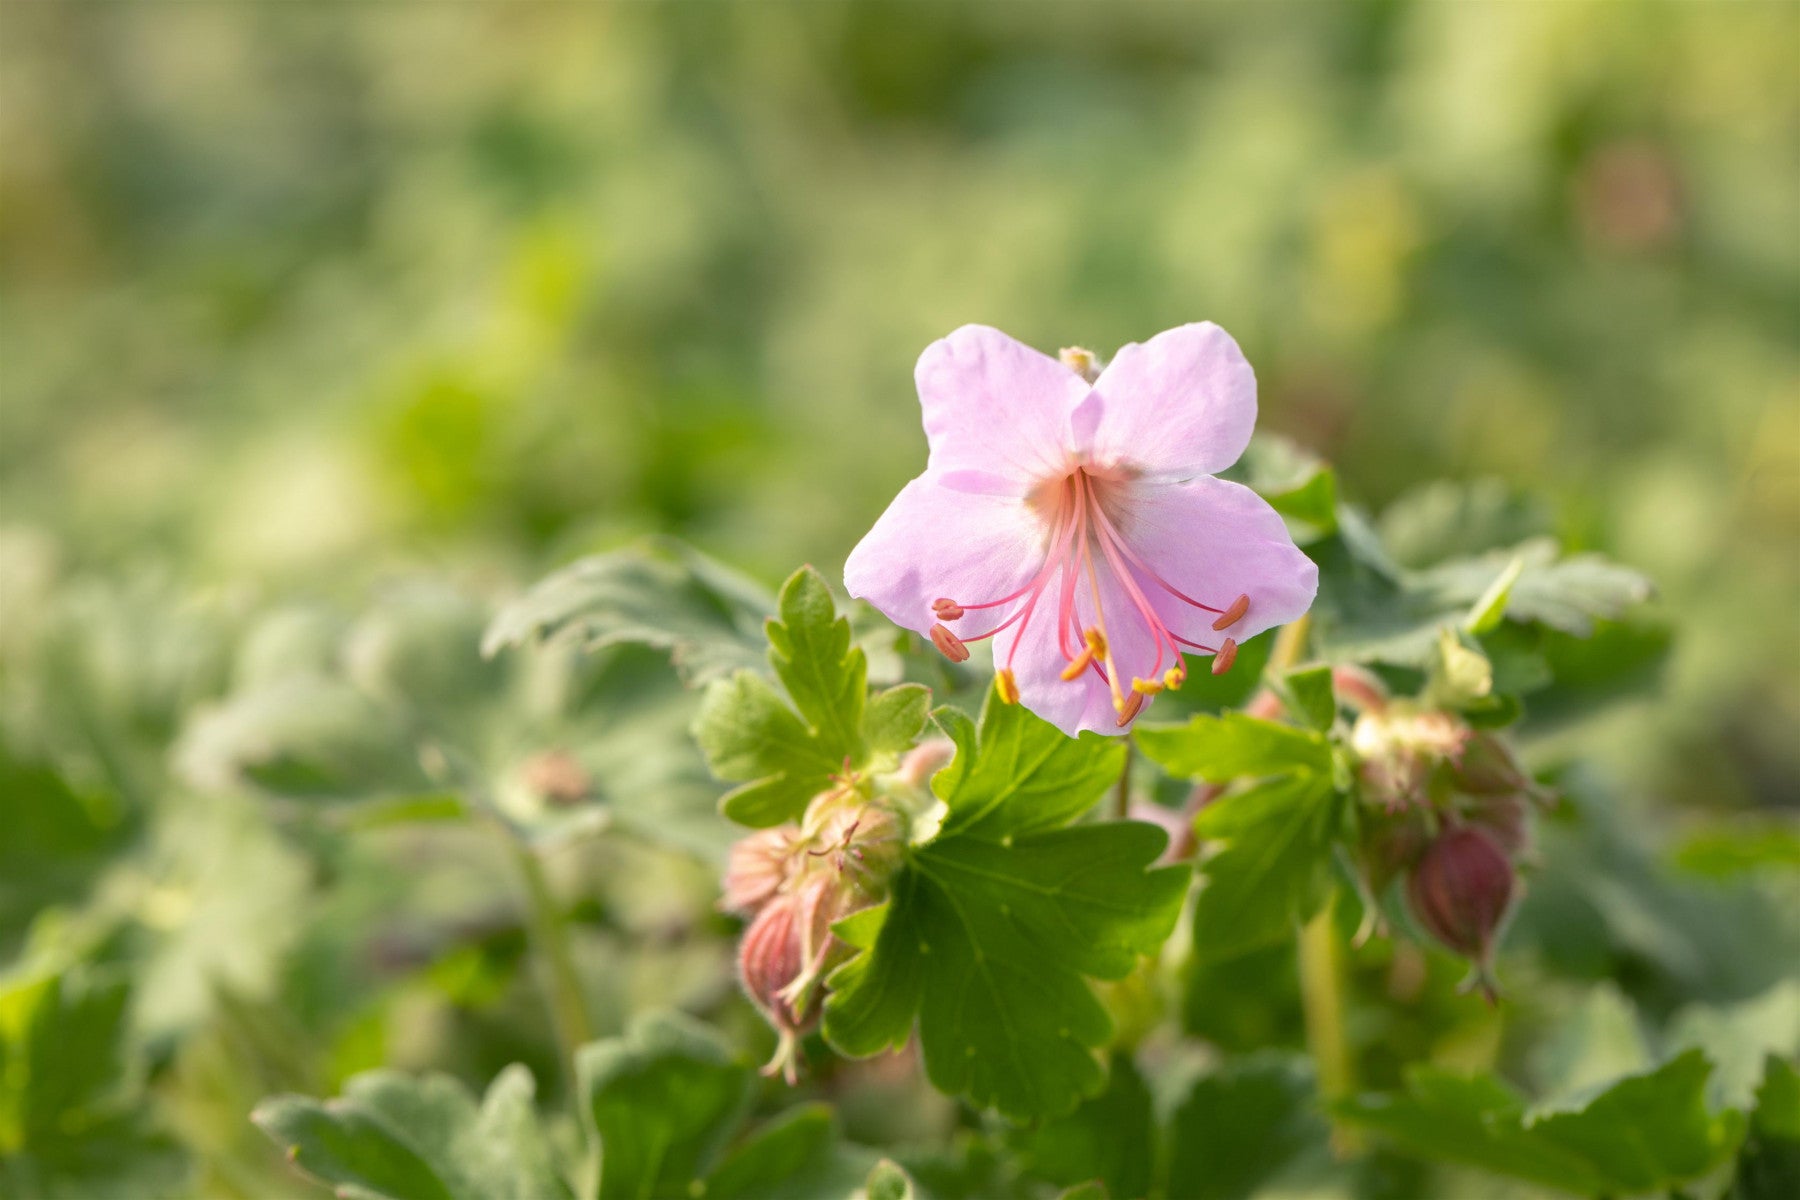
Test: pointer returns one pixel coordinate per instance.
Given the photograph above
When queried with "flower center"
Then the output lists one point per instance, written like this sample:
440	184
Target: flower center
1084	511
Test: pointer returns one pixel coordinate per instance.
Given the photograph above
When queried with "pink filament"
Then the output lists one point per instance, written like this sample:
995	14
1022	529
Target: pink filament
1082	526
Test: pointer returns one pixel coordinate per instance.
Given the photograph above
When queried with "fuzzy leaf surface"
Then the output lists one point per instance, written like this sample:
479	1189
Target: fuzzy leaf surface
784	751
1645	1133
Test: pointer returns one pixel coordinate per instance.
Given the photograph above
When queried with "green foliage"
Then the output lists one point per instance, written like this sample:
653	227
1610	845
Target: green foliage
661	593
1372	609
1240	1127
1112	1137
72	1126
782	758
1271	873
993	923
301	300
662	1110
1645	1133
1770	1166
397	1137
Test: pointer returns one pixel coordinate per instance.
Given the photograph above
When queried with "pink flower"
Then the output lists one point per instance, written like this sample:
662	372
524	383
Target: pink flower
1074	519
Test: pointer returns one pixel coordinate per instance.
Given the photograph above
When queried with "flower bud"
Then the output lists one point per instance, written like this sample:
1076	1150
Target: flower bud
1401	751
1461	891
1506	818
925	760
861	843
771	956
1487	768
785	955
756	868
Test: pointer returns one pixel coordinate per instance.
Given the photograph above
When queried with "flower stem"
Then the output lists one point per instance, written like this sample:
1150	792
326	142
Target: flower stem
1322	1004
550	937
1122	795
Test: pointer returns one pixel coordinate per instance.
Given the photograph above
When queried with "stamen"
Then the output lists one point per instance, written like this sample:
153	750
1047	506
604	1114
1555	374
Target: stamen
949	644
1174	677
1232	615
1147	687
1006	686
946	609
1225	657
1077	665
1129	708
1084	363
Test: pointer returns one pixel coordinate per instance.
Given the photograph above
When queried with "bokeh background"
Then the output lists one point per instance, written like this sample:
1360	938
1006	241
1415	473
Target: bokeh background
299	300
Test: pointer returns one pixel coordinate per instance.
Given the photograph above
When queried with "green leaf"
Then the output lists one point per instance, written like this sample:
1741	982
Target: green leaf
1219	749
57	838
1111	1137
1295	483
1309	697
305	737
991	926
1645	1133
810	649
1020	774
660	1109
419	1138
1486	613
1445	519
1369	609
780	1160
1769	1166
1272	873
783	758
1241	1126
661	1100
72	1124
659	593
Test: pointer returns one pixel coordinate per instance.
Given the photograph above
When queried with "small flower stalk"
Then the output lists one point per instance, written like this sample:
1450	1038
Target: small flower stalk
793	882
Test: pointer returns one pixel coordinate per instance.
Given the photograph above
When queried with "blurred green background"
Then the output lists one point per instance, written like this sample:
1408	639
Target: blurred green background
297	300
294	293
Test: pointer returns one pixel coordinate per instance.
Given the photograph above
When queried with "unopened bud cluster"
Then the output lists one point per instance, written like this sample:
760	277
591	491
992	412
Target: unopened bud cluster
792	883
1448	809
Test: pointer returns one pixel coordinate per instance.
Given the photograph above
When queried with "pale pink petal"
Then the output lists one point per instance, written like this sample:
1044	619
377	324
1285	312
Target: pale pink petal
1181	404
997	406
1214	540
936	541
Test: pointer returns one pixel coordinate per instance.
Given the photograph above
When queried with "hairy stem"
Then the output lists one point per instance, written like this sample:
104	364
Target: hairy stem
1322	1003
1122	794
556	962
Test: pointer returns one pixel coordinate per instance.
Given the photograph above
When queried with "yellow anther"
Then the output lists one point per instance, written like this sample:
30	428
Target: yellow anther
1174	677
1146	687
1077	665
1006	686
1096	642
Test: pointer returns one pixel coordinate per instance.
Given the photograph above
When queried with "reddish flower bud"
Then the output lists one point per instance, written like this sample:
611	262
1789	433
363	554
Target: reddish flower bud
1461	891
1487	768
1507	819
756	868
770	958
